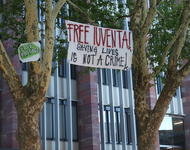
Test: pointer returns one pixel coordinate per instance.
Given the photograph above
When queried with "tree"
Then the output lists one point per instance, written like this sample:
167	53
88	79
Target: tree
160	45
29	99
21	24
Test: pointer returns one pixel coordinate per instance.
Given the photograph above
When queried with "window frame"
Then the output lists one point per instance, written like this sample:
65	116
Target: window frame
128	126
125	79
74	103
51	101
115	78
62	69
118	125
107	124
104	76
63	103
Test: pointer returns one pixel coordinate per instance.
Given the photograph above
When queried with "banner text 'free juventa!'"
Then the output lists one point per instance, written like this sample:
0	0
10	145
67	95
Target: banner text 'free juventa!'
99	47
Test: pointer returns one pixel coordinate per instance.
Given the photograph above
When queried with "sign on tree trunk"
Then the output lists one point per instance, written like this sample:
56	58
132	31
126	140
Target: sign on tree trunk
99	47
29	52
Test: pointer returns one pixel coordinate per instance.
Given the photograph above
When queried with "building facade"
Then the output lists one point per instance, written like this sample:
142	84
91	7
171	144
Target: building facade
93	110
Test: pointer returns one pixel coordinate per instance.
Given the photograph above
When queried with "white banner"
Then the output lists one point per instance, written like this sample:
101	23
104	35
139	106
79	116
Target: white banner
99	47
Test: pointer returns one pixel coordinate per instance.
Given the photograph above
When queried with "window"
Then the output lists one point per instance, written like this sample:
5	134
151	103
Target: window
73	72
62	68
124	76
117	121
171	131
107	124
105	76
175	94
50	119
1	2
128	125
1	84
25	66
115	78
74	121
62	119
178	131
98	75
159	85
118	125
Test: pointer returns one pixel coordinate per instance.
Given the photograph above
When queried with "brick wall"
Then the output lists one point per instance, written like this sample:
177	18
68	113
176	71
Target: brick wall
152	98
8	117
185	92
89	135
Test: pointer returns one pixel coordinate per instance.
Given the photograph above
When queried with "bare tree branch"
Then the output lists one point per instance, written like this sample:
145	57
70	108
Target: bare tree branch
9	73
179	43
124	16
32	32
57	8
136	14
176	50
144	10
158	2
81	11
49	46
173	76
140	64
149	18
184	70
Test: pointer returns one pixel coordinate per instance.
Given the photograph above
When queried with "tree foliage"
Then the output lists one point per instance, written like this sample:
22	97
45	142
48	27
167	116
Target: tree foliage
96	12
164	27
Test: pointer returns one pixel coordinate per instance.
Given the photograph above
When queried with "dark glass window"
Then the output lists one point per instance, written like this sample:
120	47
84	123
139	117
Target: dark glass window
171	131
118	125
175	94
107	124
165	131
73	72
115	77
128	125
105	76
62	119
1	2
63	123
62	68
98	75
74	121
178	131
117	121
124	76
25	66
159	84
50	119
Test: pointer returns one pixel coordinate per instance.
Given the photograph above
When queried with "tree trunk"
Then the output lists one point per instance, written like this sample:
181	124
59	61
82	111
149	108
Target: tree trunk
146	131
28	124
148	140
